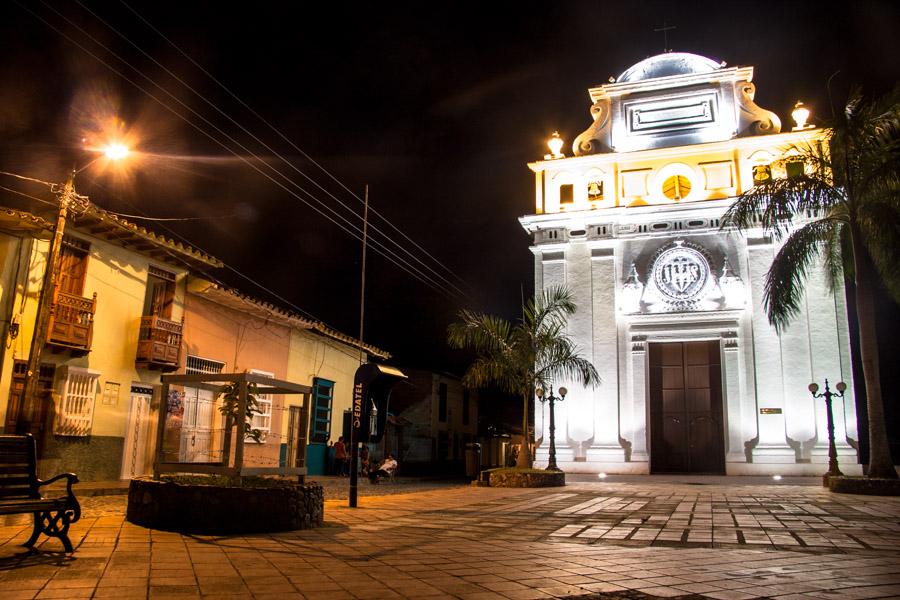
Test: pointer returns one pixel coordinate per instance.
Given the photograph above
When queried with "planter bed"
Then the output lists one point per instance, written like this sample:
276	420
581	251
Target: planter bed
523	478
205	505
864	485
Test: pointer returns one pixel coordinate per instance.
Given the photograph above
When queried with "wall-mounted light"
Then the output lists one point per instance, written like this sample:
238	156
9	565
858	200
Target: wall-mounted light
800	114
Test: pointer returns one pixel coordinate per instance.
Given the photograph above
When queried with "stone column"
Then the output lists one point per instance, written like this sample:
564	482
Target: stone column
772	446
731	374
825	341
579	403
638	377
555	267
605	446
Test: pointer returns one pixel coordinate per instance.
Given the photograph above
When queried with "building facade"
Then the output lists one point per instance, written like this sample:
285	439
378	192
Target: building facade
434	417
670	306
128	306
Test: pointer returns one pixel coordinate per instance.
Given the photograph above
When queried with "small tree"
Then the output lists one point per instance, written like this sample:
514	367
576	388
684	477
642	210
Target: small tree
231	393
518	358
849	198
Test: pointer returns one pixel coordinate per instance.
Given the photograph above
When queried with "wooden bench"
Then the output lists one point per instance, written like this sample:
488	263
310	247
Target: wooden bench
19	493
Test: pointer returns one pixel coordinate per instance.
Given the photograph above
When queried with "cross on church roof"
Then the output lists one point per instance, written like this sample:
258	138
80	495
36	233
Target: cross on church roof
665	28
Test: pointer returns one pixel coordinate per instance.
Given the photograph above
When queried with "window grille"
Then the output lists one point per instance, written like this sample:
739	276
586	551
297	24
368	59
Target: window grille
157	272
75	412
202	366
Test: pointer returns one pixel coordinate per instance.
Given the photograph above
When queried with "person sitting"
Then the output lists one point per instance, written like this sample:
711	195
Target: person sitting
387	468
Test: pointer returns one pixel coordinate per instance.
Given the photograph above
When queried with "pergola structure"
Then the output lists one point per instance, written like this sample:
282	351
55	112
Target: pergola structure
214	383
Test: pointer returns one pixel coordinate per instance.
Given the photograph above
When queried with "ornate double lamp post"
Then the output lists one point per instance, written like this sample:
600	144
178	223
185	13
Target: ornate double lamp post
833	470
551	463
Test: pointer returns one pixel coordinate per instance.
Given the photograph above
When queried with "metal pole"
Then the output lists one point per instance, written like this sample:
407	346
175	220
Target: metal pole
833	469
42	320
354	443
551	463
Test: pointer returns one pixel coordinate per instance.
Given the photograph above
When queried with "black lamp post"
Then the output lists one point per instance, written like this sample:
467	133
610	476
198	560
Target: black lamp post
833	470
551	463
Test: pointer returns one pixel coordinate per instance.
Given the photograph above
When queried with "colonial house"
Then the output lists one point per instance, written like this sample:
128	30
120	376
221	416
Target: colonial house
432	418
129	305
670	306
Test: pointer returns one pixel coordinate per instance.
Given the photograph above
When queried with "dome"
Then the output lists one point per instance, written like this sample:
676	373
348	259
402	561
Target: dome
667	65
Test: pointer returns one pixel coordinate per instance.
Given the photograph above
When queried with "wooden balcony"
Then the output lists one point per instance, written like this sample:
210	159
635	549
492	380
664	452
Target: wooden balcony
71	324
159	344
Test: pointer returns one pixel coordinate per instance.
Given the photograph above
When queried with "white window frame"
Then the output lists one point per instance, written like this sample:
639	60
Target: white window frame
75	409
263	419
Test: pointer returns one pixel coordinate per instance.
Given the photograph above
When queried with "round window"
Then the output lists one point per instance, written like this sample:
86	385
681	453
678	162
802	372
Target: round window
676	187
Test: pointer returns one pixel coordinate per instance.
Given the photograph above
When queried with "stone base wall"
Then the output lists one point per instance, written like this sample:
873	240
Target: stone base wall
217	510
92	457
526	479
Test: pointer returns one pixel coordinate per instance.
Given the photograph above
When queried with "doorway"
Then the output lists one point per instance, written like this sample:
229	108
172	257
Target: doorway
686	424
136	461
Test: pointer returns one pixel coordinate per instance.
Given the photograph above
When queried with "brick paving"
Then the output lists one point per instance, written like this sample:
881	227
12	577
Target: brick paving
634	540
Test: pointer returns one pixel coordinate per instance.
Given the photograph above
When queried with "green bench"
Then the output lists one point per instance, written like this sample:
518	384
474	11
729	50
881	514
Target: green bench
20	494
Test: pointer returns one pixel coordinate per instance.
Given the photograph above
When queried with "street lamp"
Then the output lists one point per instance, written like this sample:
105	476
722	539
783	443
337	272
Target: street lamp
67	199
833	470
551	463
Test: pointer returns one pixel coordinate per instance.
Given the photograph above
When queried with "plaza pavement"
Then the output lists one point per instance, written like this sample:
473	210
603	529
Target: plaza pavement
634	538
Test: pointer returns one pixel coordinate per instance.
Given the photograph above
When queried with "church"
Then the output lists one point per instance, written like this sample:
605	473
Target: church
669	304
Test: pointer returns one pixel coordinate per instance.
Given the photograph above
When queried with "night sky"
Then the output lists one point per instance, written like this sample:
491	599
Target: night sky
436	106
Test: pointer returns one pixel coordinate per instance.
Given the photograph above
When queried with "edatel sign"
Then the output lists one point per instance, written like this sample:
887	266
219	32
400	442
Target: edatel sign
371	393
357	404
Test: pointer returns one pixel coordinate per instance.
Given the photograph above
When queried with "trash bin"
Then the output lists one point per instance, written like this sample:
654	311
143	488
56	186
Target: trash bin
473	459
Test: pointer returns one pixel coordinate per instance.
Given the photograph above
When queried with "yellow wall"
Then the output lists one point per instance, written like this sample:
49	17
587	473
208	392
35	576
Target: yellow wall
716	170
119	278
313	355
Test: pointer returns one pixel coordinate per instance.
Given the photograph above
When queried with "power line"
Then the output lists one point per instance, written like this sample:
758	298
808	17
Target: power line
284	137
262	143
35	198
49	184
385	253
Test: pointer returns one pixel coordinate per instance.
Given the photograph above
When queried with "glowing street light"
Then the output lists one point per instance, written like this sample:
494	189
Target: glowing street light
800	114
115	151
555	143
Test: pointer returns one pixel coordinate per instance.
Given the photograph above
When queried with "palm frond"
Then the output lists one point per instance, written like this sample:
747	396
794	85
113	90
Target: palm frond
784	281
774	204
550	308
838	262
480	332
879	223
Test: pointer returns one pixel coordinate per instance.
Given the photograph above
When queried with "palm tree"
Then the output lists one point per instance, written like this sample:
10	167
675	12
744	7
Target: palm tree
847	202
518	358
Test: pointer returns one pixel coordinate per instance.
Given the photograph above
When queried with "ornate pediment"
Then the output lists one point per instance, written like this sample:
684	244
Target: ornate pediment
674	99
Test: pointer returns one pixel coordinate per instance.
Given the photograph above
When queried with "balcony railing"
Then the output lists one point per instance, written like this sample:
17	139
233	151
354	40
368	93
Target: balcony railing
159	343
71	324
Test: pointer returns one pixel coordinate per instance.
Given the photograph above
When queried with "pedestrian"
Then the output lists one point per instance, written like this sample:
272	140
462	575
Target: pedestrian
364	460
329	458
340	456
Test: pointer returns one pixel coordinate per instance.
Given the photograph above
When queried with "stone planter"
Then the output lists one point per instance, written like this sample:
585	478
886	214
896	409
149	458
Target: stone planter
525	478
864	485
220	510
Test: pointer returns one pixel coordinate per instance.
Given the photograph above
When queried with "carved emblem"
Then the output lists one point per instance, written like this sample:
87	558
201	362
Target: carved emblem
681	274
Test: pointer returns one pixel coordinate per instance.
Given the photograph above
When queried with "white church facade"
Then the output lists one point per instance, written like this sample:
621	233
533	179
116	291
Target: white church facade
670	306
